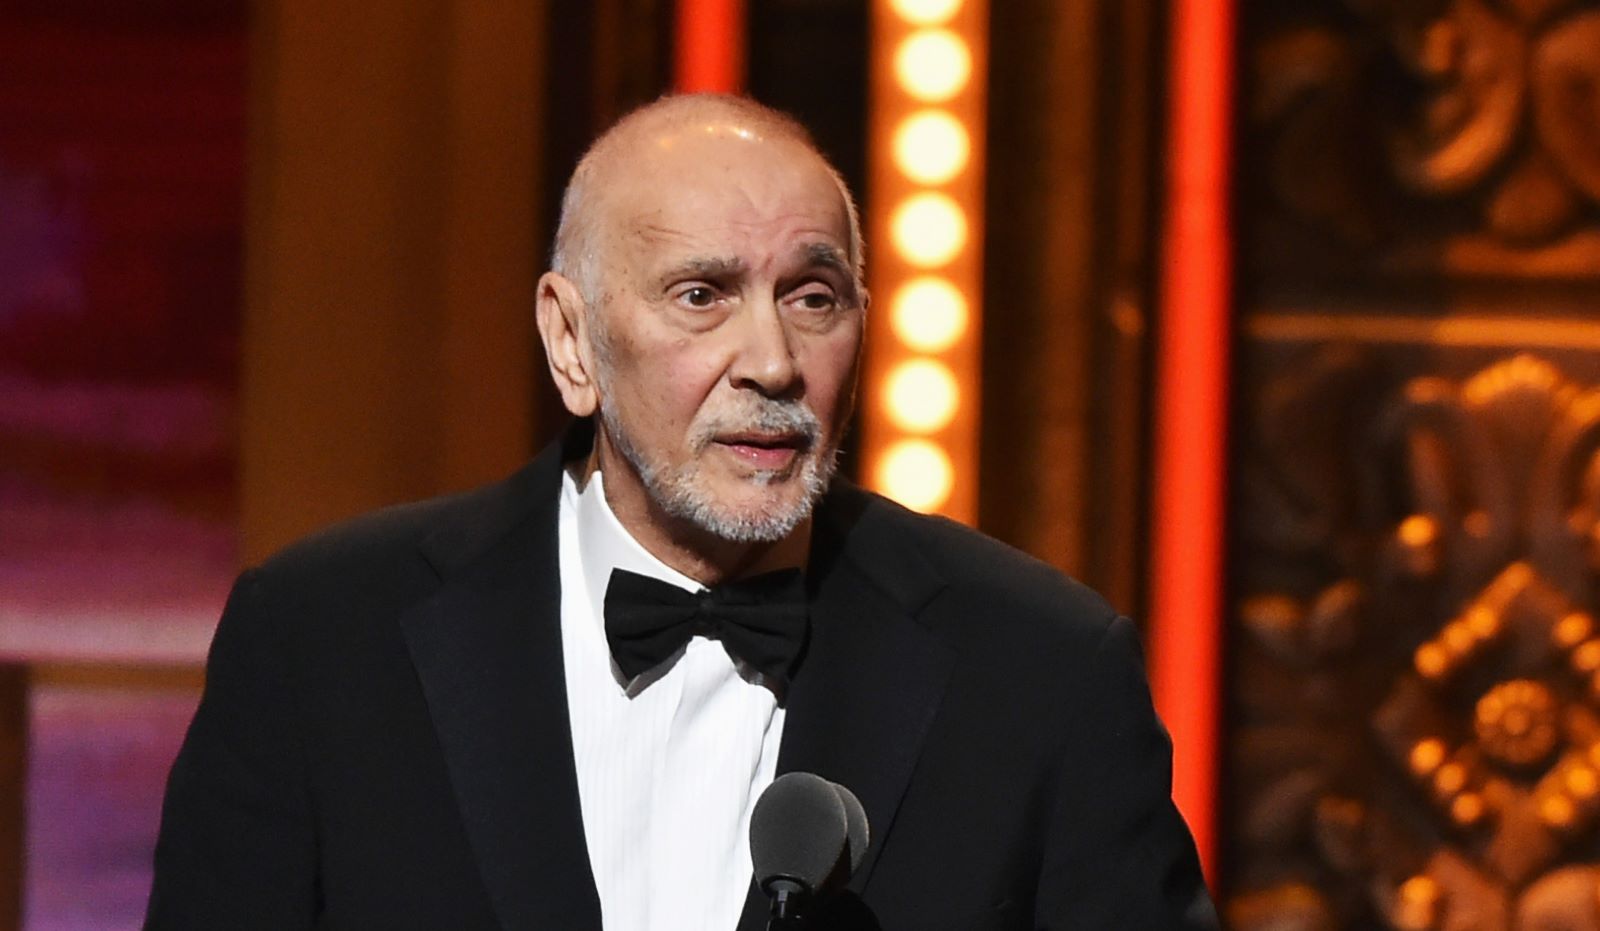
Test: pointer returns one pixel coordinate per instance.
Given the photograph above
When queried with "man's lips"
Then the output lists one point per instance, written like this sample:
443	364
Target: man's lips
764	451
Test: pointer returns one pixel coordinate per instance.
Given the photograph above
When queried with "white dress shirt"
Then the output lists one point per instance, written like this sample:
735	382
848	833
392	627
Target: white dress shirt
669	772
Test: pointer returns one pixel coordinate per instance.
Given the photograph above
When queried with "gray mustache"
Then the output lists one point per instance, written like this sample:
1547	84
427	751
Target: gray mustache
766	417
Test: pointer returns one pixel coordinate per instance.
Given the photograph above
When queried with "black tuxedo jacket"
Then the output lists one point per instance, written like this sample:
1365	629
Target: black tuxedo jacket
383	740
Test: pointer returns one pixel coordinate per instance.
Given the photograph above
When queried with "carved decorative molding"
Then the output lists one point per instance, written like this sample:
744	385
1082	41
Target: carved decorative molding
1435	134
1417	654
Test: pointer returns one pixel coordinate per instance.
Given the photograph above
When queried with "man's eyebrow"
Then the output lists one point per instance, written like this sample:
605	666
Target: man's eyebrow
828	256
707	267
831	257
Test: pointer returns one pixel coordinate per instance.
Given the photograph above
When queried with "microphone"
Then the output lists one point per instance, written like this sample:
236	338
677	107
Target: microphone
858	834
807	835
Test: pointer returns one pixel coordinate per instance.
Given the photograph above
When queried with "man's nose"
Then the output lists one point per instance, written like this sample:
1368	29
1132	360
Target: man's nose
765	360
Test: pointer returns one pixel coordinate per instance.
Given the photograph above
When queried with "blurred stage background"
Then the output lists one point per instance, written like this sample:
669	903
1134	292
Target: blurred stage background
1278	321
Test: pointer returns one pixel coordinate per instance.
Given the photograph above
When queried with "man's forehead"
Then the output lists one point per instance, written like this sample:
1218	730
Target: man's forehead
689	227
737	243
700	170
739	201
714	264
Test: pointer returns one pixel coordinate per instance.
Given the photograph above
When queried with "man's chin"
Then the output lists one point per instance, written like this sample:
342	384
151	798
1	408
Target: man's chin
748	511
759	501
728	497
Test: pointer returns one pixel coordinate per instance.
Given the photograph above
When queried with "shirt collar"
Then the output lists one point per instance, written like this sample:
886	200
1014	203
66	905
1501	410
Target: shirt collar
604	544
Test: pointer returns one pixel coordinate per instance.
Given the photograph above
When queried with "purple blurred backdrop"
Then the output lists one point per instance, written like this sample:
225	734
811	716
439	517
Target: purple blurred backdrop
122	134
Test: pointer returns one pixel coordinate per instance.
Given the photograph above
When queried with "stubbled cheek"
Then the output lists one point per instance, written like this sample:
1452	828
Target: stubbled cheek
689	365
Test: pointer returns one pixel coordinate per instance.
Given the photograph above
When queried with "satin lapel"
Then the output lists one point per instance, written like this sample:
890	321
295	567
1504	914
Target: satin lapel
873	675
487	648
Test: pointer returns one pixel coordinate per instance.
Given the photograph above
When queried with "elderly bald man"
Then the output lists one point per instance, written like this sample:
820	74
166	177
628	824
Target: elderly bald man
552	702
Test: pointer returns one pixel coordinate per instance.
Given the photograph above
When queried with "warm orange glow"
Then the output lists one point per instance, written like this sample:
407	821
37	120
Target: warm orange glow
1483	623
925	12
1419	530
919	429
1572	630
916	473
1556	811
931	147
1426	756
1191	408
1416	905
921	396
1467	808
933	65
1431	661
1450	779
710	46
928	314
929	229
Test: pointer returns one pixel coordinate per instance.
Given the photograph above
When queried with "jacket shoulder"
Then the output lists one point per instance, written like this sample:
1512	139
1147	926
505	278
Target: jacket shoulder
994	580
432	536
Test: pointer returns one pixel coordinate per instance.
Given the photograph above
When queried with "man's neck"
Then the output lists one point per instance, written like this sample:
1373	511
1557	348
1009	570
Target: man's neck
698	554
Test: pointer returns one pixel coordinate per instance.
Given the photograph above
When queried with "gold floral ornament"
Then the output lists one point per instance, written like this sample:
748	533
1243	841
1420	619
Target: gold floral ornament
1517	723
1489	72
1499	109
1420	736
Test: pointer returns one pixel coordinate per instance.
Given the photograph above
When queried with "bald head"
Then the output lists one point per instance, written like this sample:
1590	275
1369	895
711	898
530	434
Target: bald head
632	152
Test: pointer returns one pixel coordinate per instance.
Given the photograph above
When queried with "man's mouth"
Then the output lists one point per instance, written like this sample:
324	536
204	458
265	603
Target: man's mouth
765	450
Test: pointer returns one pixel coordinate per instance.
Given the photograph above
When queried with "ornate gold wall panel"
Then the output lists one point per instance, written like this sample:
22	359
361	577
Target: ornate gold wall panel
1414	679
1422	137
1416	688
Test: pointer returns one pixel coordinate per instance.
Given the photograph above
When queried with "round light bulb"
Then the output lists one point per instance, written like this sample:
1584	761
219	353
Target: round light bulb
928	229
922	396
928	314
916	473
931	147
933	65
925	12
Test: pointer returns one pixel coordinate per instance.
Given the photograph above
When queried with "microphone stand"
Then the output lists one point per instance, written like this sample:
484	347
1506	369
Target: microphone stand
788	897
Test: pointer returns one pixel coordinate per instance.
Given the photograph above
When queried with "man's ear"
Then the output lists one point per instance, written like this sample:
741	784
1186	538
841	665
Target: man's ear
559	313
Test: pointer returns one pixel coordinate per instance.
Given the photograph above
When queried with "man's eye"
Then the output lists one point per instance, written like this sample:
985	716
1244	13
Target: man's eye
818	300
698	296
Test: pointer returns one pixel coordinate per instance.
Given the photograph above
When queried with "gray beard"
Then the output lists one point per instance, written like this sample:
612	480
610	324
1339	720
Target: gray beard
680	494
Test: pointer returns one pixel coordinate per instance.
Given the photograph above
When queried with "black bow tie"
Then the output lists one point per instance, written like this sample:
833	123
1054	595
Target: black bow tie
761	620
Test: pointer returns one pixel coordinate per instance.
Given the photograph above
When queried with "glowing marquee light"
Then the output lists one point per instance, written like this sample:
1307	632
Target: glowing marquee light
916	473
920	437
931	147
928	314
925	12
933	65
922	396
929	229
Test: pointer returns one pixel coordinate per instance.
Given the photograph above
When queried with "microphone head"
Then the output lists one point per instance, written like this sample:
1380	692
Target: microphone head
856	826
798	831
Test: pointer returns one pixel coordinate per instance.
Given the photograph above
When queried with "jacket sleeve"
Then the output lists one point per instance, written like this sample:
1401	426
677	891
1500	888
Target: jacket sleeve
1119	854
237	845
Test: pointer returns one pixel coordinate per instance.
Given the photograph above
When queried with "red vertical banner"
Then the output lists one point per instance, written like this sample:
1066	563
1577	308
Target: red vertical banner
710	46
1191	409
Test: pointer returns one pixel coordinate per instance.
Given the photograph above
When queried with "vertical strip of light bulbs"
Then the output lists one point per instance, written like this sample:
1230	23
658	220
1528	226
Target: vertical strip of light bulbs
920	419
